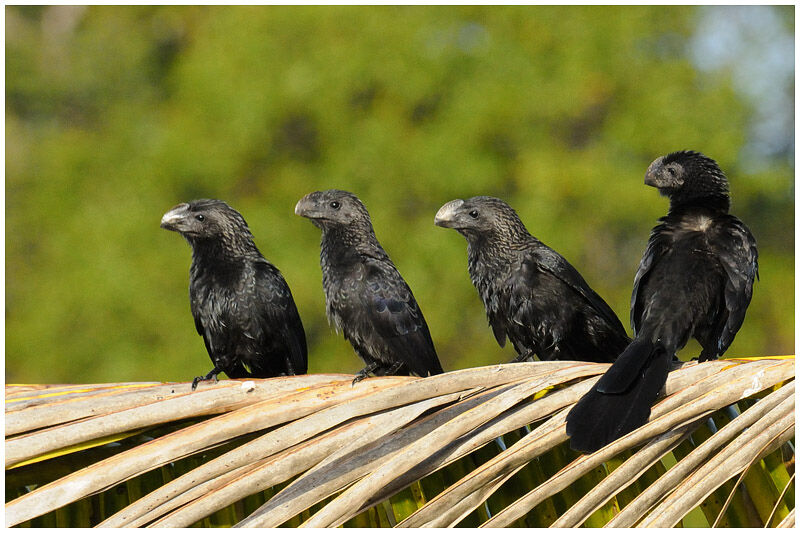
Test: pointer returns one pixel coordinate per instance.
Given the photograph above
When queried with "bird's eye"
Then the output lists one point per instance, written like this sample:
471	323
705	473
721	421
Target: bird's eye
200	217
335	205
671	171
474	213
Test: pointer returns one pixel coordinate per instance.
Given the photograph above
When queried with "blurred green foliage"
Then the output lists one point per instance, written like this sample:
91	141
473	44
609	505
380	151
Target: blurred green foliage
115	114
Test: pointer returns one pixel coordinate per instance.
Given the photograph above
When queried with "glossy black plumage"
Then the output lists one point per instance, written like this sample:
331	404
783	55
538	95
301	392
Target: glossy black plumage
532	294
695	280
241	304
366	297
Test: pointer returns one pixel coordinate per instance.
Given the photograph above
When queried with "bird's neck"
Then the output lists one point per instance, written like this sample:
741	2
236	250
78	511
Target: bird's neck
216	251
345	246
502	243
495	254
717	204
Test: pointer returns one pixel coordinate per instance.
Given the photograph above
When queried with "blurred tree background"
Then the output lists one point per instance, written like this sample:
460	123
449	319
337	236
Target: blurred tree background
115	114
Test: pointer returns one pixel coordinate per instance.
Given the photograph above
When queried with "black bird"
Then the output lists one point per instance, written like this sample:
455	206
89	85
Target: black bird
695	280
532	294
367	299
241	304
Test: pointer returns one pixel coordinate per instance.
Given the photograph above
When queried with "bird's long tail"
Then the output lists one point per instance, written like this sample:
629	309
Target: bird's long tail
620	400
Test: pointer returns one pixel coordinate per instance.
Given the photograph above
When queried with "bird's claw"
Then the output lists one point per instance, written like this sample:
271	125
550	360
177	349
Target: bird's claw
211	375
358	378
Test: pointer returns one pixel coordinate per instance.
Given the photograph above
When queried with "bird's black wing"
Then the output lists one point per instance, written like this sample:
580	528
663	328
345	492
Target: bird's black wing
201	331
198	324
215	334
736	249
277	321
394	314
546	260
496	298
498	327
658	245
197	303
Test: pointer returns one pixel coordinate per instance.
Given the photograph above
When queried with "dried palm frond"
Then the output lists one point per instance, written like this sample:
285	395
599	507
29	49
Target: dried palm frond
482	446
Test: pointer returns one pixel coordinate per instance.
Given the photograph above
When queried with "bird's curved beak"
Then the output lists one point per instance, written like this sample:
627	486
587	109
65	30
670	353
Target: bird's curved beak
447	214
651	176
306	206
173	217
650	179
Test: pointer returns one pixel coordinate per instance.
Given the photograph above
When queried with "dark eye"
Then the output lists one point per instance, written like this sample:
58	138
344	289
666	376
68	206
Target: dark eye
671	171
335	204
474	213
200	217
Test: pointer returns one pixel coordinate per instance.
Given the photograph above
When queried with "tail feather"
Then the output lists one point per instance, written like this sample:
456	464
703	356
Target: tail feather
620	401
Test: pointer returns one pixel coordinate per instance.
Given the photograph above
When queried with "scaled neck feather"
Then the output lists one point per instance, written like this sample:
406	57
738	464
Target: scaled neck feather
345	245
233	249
499	251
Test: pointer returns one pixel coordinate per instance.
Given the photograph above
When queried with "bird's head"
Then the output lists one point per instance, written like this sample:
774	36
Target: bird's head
687	176
480	216
332	208
202	220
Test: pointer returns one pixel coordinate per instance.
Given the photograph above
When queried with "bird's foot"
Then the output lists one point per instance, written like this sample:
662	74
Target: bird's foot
211	375
395	368
364	372
522	357
361	375
706	357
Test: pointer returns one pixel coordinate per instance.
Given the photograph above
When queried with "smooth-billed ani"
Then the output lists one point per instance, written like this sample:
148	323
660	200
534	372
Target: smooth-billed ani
241	304
695	280
366	297
532	294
